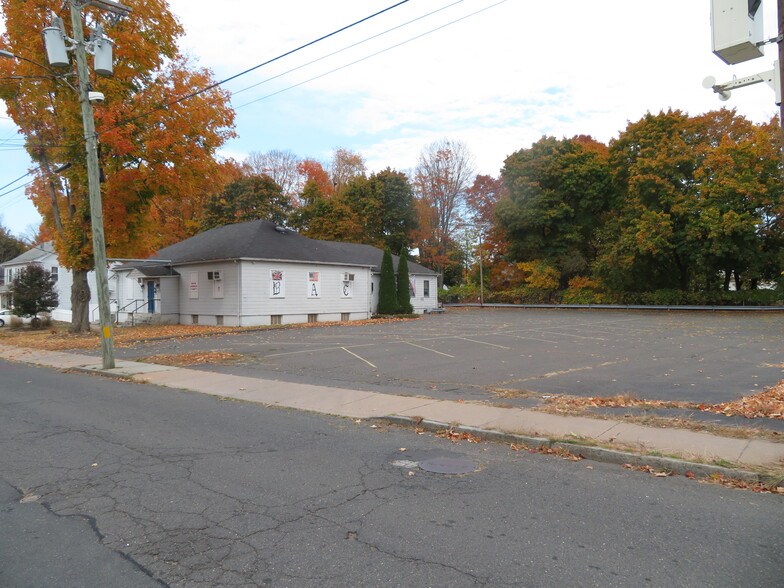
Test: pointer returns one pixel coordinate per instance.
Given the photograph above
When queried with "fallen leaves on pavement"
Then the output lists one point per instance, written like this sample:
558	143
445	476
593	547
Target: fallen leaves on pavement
59	339
545	450
741	485
767	404
650	470
195	358
456	436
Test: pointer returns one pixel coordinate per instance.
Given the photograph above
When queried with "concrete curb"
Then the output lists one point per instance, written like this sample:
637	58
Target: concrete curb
600	454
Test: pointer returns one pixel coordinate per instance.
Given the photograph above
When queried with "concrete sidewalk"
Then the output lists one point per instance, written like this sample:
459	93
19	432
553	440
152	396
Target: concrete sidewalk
362	404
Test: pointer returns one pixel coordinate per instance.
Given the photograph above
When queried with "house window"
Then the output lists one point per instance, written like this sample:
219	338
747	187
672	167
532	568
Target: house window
2	276
312	318
426	289
276	319
53	273
194	319
219	320
345	316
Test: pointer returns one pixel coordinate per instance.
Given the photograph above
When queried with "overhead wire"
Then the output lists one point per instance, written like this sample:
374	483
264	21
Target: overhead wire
367	56
346	48
251	69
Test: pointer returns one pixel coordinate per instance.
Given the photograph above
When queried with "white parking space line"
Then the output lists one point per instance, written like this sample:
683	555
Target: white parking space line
301	351
573	335
482	342
527	338
358	357
428	349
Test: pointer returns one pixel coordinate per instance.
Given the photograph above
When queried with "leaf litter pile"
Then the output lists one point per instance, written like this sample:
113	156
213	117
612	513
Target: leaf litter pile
58	339
195	358
766	404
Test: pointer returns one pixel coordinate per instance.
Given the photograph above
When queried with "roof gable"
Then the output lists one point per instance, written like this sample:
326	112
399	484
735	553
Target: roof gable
36	254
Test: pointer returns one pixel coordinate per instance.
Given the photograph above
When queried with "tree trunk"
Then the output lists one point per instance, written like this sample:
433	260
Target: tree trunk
738	281
80	303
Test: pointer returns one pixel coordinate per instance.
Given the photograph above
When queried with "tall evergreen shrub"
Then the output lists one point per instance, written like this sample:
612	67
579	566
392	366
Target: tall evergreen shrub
403	294
387	298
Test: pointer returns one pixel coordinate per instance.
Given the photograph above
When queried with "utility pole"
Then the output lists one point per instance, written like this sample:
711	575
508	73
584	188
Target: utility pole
781	71
94	188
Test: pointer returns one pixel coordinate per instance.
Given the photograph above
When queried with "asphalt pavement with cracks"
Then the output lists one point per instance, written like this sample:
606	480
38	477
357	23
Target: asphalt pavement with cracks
193	490
517	356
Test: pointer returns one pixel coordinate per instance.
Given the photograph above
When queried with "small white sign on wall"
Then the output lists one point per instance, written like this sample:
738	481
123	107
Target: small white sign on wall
217	289
346	289
314	285
277	285
193	285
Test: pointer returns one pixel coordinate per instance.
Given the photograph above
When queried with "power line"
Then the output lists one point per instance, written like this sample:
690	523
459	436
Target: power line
15	181
346	48
366	57
254	68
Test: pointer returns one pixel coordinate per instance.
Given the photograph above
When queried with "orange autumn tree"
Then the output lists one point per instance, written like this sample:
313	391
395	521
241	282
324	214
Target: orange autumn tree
157	157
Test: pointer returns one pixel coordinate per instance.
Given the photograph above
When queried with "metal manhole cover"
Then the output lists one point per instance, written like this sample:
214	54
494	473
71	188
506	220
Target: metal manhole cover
448	465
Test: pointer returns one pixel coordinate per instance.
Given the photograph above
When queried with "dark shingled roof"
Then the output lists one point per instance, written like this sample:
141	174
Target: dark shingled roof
261	239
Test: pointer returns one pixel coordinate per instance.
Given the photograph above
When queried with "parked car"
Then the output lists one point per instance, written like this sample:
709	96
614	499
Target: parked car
5	315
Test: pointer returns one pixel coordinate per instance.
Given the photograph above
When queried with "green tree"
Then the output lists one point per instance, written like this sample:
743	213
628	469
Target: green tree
702	198
387	294
10	246
247	198
33	291
403	288
559	192
381	208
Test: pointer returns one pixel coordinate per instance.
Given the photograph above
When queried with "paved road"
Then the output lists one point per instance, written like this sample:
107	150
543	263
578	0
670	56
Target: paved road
201	492
506	354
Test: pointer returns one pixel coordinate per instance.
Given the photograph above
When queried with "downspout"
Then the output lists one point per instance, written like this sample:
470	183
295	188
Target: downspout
239	292
370	293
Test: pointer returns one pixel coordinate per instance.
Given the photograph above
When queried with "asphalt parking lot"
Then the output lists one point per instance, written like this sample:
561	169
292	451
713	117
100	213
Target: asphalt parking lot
517	356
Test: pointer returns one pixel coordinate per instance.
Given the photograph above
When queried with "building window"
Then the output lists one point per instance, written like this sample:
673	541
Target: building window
2	276
219	320
345	316
312	318
194	319
276	319
426	289
53	273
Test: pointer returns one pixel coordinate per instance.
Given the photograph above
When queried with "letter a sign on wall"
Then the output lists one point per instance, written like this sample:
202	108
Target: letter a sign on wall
314	285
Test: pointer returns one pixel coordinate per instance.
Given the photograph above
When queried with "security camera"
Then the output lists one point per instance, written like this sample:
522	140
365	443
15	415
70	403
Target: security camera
95	97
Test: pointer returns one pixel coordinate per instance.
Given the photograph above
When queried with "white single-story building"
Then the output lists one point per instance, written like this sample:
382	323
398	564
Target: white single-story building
256	273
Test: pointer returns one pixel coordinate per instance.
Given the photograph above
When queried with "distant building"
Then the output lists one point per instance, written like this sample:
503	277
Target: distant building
45	256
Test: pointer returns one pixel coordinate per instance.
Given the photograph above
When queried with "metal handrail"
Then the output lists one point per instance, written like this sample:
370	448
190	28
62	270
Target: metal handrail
92	314
139	302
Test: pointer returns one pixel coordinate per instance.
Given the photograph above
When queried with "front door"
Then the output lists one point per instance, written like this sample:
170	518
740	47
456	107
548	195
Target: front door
150	296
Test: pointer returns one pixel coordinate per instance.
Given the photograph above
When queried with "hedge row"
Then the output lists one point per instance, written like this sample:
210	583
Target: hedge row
587	296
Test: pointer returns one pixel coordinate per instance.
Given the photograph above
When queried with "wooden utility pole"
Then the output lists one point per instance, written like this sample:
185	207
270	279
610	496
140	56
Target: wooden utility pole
781	72
94	189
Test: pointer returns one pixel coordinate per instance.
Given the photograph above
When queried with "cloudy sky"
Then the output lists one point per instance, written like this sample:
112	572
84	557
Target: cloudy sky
496	75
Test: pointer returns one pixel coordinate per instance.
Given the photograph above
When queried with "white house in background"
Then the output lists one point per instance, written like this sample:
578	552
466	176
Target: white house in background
256	273
45	256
